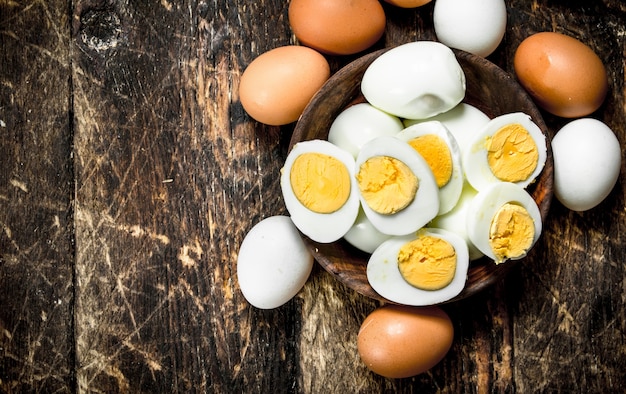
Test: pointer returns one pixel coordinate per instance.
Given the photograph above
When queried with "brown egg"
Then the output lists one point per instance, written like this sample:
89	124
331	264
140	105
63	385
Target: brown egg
408	3
564	76
400	341
277	85
337	27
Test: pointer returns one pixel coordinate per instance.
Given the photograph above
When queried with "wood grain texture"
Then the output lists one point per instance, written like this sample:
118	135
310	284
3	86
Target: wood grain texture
129	175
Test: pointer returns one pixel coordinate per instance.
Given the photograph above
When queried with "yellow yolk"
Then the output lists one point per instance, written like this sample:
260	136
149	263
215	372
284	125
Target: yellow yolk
387	184
437	154
511	233
428	263
512	153
320	182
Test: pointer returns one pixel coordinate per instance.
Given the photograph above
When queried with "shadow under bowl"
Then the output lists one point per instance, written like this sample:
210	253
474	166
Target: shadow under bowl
488	88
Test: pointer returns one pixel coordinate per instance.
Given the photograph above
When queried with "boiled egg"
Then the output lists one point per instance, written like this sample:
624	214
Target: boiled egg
360	123
503	221
425	268
363	235
397	189
437	146
510	148
456	220
319	189
416	80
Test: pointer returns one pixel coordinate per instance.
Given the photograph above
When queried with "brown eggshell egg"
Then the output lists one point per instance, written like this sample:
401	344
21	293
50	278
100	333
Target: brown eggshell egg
337	27
398	341
277	85
408	3
564	76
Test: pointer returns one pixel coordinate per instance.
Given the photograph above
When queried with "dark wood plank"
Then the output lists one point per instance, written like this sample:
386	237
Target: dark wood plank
36	178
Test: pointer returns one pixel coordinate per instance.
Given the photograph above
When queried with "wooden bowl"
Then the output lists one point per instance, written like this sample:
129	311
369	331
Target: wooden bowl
489	88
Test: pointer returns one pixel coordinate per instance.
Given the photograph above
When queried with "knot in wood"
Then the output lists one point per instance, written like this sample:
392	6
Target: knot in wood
100	30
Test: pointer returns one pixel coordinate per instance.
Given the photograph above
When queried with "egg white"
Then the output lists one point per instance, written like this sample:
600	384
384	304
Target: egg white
363	235
449	193
424	206
475	162
320	227
487	202
385	278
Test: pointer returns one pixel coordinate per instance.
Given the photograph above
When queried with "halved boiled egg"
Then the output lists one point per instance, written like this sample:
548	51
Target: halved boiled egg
319	189
503	221
438	147
397	189
425	268
510	148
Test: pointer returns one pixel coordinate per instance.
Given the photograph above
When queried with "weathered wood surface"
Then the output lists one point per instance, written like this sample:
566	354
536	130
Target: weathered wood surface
129	174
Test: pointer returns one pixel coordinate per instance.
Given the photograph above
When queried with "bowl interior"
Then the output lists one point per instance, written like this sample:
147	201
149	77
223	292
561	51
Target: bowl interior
489	88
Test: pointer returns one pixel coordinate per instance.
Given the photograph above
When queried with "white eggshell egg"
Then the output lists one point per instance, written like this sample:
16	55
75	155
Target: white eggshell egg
385	278
363	235
475	159
360	123
475	26
463	121
273	263
449	193
587	161
415	80
456	220
320	227
484	206
424	206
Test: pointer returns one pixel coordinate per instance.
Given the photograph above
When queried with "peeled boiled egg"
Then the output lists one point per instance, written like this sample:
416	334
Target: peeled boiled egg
273	263
397	341
337	27
363	235
563	75
416	80
587	162
475	26
510	148
437	146
277	85
319	189
397	189
360	123
503	222
463	121
425	268
456	220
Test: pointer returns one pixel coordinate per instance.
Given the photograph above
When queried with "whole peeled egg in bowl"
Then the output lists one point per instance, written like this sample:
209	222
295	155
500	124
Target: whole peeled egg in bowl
485	87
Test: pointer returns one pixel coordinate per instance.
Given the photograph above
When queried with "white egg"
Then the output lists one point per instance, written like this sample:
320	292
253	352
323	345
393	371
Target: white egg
587	161
385	277
514	234
518	157
456	220
273	263
444	160
321	195
415	80
422	208
475	26
363	235
463	121
360	123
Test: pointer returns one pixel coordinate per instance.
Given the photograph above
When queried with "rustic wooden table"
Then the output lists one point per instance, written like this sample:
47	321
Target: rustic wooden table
129	175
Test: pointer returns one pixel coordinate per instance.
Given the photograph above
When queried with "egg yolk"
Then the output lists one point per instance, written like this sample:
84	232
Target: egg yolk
511	233
512	153
428	263
387	184
437	154
320	182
